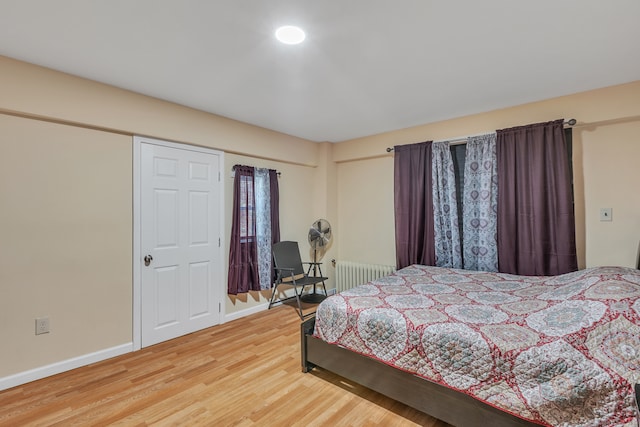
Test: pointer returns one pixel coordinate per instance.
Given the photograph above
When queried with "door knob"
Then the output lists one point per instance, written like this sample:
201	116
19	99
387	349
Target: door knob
147	260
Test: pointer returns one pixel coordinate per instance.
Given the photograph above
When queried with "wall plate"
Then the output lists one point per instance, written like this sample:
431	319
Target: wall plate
605	214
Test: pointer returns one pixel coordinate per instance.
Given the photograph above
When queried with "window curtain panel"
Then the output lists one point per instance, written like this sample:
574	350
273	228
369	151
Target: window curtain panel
275	205
445	208
413	205
536	224
243	254
274	187
480	206
262	186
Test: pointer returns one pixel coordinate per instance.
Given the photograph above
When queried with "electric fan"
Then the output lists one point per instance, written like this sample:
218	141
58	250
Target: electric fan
319	240
319	237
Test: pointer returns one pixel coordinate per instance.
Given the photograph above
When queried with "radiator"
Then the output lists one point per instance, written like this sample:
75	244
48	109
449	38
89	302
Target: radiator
350	274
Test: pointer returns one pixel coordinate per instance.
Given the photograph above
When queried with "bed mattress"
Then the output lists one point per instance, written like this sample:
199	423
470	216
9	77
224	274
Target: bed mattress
559	351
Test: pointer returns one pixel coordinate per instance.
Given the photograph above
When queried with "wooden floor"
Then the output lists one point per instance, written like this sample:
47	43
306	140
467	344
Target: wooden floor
243	373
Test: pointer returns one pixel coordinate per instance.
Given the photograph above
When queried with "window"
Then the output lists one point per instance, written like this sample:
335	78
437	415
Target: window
247	209
458	153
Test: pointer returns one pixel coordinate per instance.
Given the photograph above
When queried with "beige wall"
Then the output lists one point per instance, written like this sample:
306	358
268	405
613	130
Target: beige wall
606	173
365	211
66	217
66	191
39	92
66	241
611	164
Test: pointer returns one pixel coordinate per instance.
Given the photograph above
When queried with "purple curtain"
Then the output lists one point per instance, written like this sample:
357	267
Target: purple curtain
275	213
536	225
275	206
243	254
413	203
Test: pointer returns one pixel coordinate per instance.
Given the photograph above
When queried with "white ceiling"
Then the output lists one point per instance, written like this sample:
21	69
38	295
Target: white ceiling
366	67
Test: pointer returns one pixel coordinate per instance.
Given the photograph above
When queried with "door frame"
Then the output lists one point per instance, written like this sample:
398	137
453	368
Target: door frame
137	229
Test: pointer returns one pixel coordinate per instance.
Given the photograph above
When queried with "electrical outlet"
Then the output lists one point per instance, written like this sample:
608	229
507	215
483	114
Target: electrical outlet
42	325
605	214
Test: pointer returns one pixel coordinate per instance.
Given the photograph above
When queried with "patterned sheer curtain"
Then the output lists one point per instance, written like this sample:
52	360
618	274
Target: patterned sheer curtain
445	208
480	204
263	226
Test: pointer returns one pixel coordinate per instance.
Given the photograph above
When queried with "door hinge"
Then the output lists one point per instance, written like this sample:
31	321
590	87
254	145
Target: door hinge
219	307
219	176
219	242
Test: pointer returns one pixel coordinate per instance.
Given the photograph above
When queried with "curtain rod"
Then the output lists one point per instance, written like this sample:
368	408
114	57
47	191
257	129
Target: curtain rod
233	169
462	139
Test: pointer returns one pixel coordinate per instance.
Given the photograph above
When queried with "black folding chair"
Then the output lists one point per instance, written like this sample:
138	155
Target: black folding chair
290	272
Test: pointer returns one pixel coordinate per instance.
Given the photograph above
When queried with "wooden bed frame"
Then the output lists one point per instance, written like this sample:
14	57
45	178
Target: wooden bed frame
441	402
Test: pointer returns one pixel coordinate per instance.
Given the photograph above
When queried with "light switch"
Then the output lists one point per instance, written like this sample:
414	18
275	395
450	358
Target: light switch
605	214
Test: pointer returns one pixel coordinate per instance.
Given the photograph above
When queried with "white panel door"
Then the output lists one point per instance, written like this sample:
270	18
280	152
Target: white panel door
180	193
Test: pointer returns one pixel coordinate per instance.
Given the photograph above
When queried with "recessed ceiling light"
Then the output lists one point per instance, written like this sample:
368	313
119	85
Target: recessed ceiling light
290	34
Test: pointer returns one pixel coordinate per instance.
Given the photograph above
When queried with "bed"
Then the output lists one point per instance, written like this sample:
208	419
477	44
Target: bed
489	349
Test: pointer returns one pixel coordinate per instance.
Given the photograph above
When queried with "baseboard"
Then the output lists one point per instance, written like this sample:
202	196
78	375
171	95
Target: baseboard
246	312
258	308
63	366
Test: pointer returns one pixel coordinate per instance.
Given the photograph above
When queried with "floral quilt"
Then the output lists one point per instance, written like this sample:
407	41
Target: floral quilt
558	351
